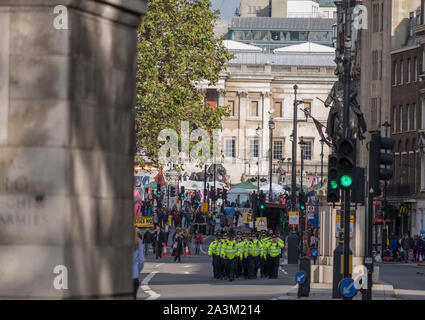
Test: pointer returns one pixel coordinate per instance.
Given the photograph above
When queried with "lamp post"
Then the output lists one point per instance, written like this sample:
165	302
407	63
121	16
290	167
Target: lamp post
294	151
258	131
321	163
271	127
281	162
386	125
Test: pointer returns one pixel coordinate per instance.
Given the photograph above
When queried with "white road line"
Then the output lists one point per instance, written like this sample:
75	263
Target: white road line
186	272
283	271
144	286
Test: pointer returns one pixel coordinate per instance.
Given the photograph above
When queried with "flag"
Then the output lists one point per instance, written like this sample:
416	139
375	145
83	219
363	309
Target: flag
159	178
312	184
319	128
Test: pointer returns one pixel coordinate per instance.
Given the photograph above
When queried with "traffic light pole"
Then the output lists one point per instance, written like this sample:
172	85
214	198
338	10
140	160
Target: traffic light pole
294	154
346	130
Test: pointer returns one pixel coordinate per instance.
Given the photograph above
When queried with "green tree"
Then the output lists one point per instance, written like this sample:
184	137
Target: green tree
177	49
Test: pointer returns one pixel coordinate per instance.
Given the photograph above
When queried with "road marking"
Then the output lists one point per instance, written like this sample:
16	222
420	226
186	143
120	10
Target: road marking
188	266
144	286
186	272
283	270
158	265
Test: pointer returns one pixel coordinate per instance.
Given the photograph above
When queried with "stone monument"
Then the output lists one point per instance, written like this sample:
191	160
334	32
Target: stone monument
67	93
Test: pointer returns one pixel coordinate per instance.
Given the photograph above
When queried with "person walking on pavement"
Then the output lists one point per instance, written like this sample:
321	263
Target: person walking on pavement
274	249
420	247
214	252
138	262
394	245
405	245
178	247
147	240
187	239
159	242
166	232
197	238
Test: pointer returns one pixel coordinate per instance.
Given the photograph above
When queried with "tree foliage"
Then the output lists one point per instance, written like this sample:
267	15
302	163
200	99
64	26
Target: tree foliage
176	50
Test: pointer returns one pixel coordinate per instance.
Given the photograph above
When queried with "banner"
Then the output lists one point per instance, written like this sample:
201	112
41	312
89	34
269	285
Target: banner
261	224
294	218
143	222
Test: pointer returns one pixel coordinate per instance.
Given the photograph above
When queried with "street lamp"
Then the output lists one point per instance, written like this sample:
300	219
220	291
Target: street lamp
271	127
386	125
258	131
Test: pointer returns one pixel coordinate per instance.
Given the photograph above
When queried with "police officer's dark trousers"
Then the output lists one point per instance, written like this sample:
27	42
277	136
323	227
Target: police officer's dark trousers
238	267
231	268
274	266
245	267
262	265
216	266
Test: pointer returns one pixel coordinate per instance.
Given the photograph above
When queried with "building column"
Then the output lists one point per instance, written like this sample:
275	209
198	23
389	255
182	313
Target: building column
266	133
221	97
243	109
67	183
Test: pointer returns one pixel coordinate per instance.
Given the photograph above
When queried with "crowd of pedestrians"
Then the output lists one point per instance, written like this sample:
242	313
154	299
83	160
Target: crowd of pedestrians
405	249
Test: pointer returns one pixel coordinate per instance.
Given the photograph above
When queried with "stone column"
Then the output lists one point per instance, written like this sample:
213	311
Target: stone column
243	110
221	96
266	133
66	147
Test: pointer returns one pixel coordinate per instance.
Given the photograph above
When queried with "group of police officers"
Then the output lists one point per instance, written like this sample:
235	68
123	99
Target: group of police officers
244	255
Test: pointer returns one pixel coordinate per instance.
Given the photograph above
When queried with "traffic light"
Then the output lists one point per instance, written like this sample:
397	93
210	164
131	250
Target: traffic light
377	158
262	200
158	189
346	162
302	200
333	185
172	191
224	195
219	193
181	195
212	193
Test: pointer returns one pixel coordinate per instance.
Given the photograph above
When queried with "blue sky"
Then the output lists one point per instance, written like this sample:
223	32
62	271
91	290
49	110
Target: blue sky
226	7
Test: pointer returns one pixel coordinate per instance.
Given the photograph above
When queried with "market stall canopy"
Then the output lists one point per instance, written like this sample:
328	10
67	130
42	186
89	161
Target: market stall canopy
244	185
239	191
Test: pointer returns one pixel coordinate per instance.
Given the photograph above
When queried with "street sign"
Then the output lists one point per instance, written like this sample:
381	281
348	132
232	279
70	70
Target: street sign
294	219
314	253
300	277
338	224
422	233
347	288
204	207
311	209
261	224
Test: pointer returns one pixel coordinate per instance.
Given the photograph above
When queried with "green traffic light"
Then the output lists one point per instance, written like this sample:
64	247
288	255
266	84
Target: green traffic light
302	207
333	184
262	206
346	181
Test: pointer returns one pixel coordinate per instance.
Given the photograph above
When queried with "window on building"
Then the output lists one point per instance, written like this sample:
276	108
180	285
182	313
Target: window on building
394	122
307	150
232	108
253	109
408	71
381	27
375	65
253	147
307	107
414	117
278	109
416	69
423	114
408	117
401	71
277	149
230	148
374	110
380	65
401	120
375	17
395	73
275	35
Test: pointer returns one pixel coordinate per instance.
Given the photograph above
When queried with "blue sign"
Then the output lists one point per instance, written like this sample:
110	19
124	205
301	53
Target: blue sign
347	288
300	277
314	253
422	233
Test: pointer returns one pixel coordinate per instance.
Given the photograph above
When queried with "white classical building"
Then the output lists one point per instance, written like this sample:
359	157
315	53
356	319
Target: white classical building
259	86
